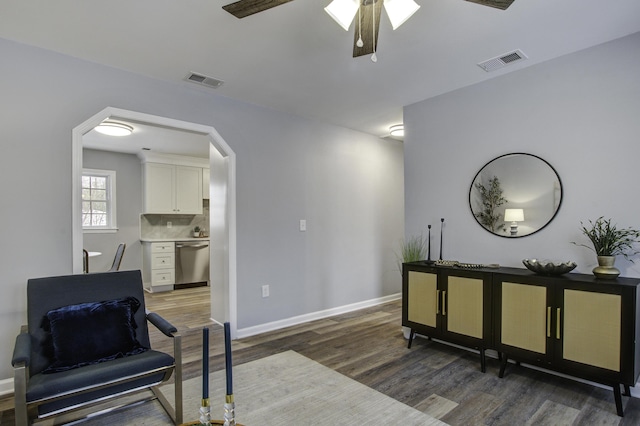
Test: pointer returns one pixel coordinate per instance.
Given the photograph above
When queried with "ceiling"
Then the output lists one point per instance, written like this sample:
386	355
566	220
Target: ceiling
150	137
294	58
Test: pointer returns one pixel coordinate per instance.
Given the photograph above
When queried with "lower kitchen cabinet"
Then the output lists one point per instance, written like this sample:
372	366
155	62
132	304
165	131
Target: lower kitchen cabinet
158	272
448	304
575	324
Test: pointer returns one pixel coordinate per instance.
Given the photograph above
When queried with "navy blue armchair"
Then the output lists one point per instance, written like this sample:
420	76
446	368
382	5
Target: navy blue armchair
87	342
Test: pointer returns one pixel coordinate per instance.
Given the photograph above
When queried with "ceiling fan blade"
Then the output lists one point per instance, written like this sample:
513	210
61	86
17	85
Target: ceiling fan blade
244	8
499	4
367	32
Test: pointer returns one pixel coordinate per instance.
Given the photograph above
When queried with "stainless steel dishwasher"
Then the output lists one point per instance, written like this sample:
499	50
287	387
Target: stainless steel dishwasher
192	262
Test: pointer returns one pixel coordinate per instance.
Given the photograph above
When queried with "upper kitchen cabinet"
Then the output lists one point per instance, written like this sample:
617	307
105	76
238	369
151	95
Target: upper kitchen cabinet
172	188
206	176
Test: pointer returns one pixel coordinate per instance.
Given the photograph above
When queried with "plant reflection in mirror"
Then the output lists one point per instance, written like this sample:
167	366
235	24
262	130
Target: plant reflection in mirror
491	198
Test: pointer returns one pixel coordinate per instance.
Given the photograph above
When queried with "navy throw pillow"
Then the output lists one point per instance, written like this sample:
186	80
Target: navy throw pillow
89	333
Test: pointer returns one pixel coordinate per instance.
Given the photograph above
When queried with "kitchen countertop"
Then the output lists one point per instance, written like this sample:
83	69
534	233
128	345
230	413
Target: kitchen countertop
163	240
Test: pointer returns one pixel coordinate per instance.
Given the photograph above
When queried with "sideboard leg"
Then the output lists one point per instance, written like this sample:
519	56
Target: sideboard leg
618	397
411	336
503	365
483	361
627	391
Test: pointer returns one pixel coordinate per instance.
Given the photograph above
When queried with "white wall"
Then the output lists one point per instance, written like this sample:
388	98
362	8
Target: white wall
346	184
579	112
129	205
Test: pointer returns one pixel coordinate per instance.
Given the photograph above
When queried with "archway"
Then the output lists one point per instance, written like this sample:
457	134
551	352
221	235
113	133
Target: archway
223	193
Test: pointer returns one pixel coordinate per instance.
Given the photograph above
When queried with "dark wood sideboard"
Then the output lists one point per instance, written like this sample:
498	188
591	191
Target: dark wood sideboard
574	323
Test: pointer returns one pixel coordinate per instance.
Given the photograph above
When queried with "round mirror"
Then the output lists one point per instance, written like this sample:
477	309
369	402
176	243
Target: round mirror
515	195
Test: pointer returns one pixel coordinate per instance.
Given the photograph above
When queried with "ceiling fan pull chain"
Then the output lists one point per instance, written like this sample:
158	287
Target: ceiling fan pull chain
374	58
359	43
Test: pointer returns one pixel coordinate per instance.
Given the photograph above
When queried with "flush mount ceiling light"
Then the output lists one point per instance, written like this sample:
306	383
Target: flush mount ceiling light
113	128
343	12
397	130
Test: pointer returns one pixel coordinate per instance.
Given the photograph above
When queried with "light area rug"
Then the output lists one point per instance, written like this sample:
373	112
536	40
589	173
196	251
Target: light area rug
283	389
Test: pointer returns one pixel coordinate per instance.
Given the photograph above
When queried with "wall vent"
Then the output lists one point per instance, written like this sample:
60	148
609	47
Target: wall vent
204	80
502	60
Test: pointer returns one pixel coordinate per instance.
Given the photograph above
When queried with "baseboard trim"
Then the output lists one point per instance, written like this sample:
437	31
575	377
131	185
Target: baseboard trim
6	387
288	322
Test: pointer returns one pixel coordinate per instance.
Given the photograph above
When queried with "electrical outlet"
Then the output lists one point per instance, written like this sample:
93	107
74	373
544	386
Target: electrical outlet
303	225
265	291
169	224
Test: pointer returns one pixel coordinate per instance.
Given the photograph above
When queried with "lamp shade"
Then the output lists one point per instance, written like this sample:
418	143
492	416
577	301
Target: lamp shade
343	12
513	215
399	11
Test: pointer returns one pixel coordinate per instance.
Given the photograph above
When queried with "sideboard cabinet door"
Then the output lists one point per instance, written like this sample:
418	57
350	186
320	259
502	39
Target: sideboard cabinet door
592	328
524	320
422	304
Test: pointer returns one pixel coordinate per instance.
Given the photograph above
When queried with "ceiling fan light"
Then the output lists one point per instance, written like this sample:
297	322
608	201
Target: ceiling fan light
113	128
397	130
400	10
343	12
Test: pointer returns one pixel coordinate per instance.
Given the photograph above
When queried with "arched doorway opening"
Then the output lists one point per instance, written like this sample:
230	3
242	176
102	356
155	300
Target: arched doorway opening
223	202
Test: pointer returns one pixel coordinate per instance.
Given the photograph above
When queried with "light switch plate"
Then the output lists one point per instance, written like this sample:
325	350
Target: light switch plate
303	225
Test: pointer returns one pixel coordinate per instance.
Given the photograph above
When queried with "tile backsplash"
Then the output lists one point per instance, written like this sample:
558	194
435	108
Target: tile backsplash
154	226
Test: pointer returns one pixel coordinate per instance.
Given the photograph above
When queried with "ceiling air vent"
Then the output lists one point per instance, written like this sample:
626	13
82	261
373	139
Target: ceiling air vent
204	80
502	60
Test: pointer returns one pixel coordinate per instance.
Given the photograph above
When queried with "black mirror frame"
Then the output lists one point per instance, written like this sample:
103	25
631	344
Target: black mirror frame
537	230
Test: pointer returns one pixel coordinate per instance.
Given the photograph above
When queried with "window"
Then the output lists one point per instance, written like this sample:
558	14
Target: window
99	200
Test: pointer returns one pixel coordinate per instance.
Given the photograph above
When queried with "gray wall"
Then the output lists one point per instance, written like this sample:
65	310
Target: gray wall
129	205
348	185
579	112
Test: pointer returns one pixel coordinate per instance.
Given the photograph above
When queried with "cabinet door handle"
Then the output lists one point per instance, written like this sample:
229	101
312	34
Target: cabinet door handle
437	302
558	323
444	305
548	321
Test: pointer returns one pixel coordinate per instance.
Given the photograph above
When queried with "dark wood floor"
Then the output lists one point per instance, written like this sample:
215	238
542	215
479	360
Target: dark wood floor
368	346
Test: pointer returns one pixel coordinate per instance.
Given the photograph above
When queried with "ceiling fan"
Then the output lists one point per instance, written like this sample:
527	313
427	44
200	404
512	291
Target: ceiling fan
365	39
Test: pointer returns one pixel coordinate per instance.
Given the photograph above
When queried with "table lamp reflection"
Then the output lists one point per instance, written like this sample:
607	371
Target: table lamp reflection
514	216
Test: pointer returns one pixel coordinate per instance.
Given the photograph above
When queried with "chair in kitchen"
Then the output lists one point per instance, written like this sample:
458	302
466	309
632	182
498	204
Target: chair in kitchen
118	257
85	261
87	342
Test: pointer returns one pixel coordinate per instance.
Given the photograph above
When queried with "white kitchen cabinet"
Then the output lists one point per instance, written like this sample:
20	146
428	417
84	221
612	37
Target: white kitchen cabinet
206	176
172	189
159	266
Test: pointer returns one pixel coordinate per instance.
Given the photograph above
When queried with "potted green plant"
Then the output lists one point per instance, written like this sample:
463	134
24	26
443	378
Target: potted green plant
412	249
196	231
609	241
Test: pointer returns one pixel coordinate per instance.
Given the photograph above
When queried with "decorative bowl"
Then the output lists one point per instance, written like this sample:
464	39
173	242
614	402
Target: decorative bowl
547	267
